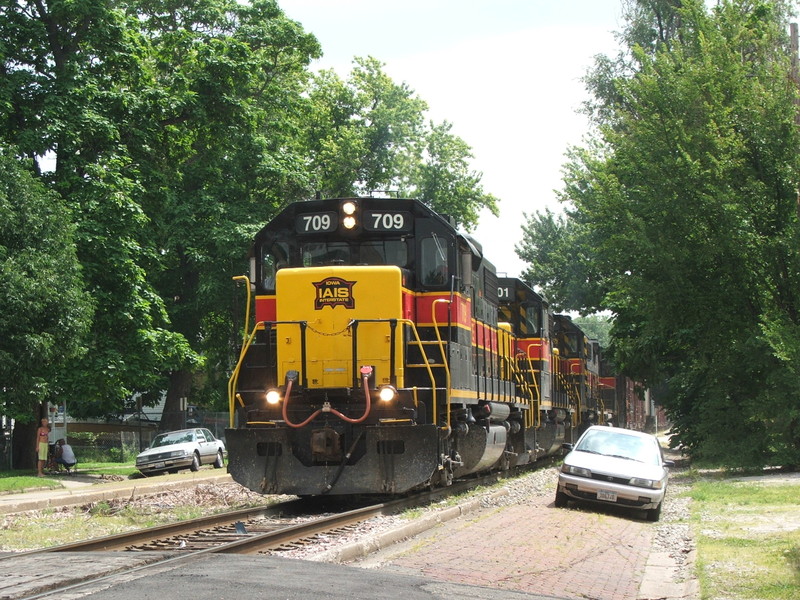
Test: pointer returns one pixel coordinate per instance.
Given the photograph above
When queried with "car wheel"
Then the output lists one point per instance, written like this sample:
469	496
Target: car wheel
654	514
561	499
195	466
220	462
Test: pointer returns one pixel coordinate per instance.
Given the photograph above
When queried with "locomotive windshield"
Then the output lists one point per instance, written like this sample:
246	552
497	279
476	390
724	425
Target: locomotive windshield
281	254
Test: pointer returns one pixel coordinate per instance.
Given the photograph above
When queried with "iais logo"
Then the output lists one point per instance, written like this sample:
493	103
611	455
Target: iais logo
333	292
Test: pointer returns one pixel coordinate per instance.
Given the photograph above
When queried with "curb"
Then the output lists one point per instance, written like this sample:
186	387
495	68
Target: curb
663	580
358	550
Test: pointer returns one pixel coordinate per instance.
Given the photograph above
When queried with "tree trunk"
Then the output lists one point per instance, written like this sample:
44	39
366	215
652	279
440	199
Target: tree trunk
174	415
23	440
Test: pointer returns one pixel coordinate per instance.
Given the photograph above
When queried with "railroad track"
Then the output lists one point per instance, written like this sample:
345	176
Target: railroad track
246	531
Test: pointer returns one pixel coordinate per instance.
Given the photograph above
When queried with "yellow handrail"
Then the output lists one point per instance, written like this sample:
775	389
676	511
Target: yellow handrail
444	359
235	374
245	345
246	279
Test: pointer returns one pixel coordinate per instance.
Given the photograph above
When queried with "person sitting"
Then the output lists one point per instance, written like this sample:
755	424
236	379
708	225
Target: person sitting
64	455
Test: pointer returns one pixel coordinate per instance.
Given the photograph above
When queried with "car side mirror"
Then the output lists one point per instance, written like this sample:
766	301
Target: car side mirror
567	446
669	463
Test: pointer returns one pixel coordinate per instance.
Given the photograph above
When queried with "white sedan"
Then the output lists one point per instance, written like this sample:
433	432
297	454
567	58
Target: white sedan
186	448
609	465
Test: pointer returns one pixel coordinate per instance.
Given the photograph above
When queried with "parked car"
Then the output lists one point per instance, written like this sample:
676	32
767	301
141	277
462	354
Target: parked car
181	449
609	465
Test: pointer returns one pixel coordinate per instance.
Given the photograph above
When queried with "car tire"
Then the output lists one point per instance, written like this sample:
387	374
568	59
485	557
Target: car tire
654	514
561	499
220	462
195	466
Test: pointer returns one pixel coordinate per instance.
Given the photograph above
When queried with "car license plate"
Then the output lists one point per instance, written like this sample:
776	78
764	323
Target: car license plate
158	465
607	495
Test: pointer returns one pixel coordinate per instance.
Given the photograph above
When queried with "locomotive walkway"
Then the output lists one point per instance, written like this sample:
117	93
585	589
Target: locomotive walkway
531	550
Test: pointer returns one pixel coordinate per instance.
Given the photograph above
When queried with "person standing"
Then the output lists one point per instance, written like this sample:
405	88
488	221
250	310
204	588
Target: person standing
42	445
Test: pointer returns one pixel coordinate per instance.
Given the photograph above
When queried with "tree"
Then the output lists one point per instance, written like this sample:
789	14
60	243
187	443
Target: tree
72	74
686	208
442	178
173	129
360	130
172	126
219	154
44	310
368	133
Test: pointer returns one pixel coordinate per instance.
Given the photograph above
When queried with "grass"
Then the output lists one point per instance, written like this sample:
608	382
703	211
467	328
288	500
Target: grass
54	526
748	539
17	481
21	480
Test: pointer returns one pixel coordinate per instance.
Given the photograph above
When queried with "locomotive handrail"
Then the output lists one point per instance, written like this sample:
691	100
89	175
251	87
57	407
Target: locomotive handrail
246	279
532	370
444	360
535	394
234	378
245	345
413	327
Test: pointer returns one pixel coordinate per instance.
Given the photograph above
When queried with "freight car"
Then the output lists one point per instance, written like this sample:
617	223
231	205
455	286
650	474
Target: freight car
386	355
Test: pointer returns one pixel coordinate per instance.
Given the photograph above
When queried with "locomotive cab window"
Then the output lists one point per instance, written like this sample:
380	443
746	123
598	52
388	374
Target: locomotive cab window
531	320
433	267
326	253
384	252
274	258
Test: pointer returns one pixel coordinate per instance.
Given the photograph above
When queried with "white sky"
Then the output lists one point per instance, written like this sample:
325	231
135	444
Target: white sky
506	73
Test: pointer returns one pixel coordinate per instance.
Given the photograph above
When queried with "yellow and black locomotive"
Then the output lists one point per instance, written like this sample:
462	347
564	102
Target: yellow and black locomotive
385	355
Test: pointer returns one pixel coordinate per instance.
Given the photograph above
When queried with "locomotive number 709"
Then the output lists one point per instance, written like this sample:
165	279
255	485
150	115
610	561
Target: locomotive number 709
321	222
387	221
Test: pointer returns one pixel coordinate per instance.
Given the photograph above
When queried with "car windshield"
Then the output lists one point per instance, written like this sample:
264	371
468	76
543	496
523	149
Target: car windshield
609	442
175	437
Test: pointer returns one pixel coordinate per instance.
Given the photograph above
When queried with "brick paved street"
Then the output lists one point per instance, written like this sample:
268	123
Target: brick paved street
533	548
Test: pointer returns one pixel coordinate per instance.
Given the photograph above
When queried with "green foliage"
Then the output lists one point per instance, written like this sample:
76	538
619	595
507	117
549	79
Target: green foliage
368	133
444	180
682	221
83	438
172	131
44	312
596	327
360	130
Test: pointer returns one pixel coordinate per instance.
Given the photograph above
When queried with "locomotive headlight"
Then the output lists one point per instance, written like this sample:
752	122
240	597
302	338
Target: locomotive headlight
273	396
349	209
387	393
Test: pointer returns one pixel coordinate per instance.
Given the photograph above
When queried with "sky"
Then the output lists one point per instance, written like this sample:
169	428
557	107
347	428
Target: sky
506	73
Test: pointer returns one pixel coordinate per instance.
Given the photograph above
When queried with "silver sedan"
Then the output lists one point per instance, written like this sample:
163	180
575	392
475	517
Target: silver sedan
616	466
181	449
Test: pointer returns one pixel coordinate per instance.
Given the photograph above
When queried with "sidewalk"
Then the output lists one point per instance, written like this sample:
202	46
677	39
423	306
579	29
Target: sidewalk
85	488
